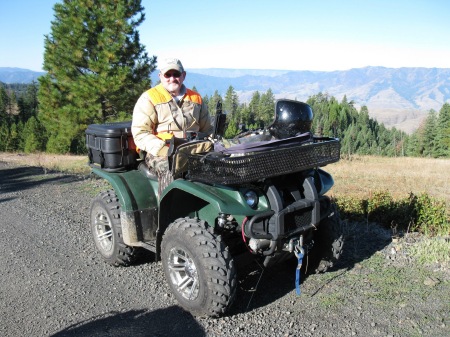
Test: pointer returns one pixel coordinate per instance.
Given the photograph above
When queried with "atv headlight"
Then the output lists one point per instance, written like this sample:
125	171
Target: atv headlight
251	198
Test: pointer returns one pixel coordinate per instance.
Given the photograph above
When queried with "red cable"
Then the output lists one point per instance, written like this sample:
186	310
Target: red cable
243	234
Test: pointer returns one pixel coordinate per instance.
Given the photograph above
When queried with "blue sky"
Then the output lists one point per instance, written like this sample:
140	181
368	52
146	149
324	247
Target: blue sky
287	35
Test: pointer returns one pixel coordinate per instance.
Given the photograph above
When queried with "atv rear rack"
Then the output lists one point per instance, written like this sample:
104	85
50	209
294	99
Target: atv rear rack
226	169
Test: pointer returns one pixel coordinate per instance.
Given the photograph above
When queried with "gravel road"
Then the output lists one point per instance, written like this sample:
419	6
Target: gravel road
53	283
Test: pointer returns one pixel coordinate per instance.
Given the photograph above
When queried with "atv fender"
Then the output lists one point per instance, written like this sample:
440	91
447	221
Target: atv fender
184	198
325	181
139	204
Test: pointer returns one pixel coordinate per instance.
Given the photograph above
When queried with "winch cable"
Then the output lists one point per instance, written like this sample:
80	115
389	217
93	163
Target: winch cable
257	283
299	253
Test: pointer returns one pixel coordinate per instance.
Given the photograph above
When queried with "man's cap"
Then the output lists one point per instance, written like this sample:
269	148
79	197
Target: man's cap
171	64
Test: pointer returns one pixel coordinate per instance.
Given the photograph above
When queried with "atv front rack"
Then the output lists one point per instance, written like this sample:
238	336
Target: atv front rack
228	169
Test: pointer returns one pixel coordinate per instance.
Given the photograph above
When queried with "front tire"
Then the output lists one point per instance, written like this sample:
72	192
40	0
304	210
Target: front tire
198	267
107	231
329	242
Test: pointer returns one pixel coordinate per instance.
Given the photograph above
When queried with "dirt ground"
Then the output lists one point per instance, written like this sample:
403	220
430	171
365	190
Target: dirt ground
378	287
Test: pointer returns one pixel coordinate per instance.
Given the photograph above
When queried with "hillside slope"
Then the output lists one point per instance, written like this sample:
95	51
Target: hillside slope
399	97
18	75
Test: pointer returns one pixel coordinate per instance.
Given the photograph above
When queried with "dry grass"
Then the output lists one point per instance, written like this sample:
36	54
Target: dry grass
63	163
360	176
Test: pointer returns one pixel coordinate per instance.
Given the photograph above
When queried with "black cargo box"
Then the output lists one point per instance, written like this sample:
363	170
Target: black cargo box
111	146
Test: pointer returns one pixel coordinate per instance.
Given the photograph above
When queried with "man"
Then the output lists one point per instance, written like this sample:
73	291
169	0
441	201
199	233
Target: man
166	110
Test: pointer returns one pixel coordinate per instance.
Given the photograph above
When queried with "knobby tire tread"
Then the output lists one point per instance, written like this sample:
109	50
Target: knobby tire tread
125	255
219	267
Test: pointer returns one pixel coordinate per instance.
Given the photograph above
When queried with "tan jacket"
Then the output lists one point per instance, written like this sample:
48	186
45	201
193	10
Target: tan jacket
156	111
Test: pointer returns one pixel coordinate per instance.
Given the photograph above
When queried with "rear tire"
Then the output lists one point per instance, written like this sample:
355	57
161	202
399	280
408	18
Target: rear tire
198	267
107	231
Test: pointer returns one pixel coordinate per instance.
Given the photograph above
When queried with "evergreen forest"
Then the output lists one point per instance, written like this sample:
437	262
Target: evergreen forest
23	130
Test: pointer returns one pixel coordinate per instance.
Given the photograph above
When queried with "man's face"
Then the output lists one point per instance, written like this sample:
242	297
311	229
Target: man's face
172	81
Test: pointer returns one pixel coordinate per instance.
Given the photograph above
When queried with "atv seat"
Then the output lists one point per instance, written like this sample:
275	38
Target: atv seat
163	180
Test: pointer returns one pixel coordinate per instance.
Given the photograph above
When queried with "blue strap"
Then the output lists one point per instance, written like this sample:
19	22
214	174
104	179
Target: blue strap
297	273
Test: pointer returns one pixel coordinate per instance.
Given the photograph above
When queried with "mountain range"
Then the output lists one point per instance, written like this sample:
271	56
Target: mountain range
18	75
400	97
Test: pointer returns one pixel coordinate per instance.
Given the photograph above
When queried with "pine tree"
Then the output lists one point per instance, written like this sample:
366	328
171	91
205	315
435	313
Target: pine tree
418	140
96	68
266	109
12	108
348	142
212	102
4	120
442	146
4	136
244	112
412	148
205	101
429	134
333	118
13	141
33	136
231	131
320	105
253	109
3	104
230	106
28	102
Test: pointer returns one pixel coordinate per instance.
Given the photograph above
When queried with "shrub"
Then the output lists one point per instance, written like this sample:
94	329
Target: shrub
380	207
422	213
352	208
430	217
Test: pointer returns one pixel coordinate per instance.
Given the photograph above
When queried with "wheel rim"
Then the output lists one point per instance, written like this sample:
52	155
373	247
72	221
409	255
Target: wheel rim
183	273
103	232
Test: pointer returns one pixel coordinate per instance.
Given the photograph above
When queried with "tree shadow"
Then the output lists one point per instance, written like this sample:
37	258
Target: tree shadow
26	177
171	321
362	240
5	199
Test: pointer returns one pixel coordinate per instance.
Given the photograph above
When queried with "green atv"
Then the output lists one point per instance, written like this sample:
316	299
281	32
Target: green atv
261	195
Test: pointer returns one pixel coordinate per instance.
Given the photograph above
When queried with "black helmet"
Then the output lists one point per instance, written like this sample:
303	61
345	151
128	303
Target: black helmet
291	118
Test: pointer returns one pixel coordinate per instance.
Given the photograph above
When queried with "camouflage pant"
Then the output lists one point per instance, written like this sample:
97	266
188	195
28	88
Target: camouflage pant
159	166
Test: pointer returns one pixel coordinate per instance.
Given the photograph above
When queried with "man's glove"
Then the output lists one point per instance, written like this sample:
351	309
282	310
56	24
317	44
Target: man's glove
163	152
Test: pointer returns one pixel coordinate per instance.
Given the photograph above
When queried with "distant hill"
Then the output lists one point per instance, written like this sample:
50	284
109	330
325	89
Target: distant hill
18	75
400	97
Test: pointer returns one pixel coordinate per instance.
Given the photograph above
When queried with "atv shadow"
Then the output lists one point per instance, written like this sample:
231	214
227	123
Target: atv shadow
171	321
259	287
22	178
